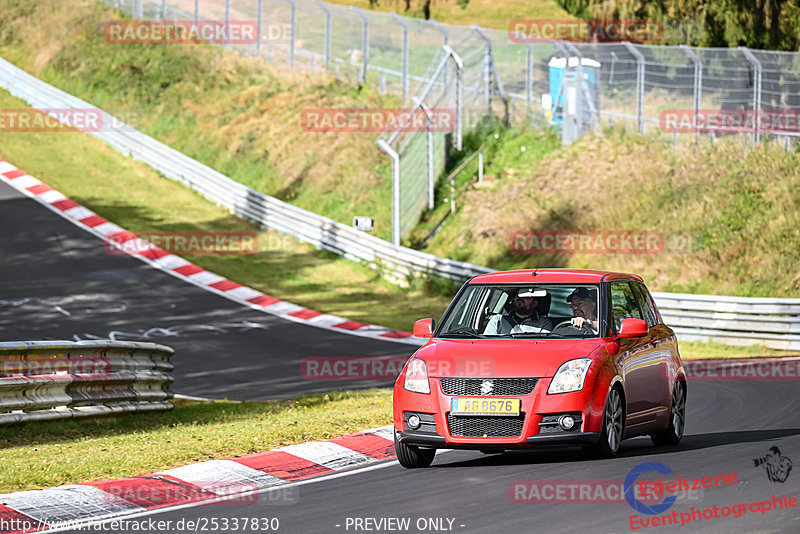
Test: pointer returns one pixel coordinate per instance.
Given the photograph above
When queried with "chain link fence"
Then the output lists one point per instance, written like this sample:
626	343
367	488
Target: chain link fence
677	92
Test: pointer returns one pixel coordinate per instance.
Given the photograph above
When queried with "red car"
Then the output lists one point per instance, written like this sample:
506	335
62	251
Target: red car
541	357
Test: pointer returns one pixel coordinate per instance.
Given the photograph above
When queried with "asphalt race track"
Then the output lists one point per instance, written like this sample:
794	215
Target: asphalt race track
729	424
57	281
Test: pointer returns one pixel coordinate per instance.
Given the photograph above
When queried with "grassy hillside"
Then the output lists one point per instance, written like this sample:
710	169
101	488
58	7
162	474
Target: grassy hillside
729	214
237	115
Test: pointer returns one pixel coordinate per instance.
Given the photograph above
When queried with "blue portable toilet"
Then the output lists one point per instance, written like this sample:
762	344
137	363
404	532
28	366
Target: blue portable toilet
557	68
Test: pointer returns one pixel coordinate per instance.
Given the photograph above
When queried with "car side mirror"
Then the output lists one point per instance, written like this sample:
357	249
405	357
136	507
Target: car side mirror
633	328
423	328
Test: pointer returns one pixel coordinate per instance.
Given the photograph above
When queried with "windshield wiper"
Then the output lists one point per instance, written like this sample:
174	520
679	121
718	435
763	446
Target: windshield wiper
534	334
462	334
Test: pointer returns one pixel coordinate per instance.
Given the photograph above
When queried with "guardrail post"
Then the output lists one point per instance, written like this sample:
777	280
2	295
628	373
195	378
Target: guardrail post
327	33
756	90
386	147
698	86
364	45
399	20
639	85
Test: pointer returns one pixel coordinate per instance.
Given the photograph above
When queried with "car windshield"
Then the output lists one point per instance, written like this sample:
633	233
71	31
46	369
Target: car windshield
514	311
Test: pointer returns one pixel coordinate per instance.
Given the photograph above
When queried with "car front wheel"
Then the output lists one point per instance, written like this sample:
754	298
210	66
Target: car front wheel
411	456
677	419
613	425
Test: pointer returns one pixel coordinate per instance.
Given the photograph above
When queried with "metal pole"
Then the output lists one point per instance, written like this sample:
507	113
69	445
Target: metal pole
138	10
639	84
294	33
386	147
756	90
164	10
445	41
197	11
480	166
399	20
487	93
459	92
429	133
327	33
698	85
258	26
364	45
227	20
529	82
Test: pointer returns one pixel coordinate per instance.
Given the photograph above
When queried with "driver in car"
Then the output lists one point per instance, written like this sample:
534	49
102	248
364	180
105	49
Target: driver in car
584	308
523	318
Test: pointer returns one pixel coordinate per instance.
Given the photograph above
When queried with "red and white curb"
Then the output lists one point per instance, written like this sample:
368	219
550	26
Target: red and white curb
187	271
228	481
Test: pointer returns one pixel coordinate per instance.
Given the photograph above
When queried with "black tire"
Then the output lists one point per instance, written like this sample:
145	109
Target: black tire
613	427
411	456
673	434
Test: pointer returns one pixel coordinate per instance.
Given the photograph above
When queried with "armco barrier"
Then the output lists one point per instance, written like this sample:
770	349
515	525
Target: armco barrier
43	380
733	320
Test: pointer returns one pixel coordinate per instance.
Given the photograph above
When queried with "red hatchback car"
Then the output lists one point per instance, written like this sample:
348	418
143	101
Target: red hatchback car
541	357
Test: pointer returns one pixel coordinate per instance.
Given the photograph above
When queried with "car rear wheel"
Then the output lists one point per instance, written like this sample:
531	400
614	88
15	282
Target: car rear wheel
677	419
613	426
411	456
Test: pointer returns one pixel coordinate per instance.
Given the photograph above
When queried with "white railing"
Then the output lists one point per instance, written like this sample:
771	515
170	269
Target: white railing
45	380
771	322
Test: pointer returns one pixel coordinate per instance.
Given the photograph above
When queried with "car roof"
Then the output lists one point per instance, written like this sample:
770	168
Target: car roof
552	276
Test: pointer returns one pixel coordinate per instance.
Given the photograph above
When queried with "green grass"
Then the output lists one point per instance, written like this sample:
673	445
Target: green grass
44	454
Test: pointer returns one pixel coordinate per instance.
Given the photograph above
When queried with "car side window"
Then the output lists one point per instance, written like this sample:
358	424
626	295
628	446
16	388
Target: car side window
646	305
623	304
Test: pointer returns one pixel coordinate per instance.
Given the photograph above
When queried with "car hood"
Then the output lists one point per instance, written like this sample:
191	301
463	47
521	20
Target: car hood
502	357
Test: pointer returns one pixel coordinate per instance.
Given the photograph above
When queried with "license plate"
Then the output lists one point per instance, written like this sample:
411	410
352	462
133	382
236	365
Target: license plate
484	406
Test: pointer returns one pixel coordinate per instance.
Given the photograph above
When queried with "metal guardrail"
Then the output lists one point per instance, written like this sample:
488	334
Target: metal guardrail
772	322
46	380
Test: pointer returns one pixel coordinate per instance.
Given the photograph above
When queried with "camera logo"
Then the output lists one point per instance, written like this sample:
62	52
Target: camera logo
778	467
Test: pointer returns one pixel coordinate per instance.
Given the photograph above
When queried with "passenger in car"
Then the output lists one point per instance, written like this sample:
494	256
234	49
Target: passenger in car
523	317
584	308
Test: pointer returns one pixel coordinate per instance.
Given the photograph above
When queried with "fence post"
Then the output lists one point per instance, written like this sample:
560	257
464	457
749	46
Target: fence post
327	33
386	147
164	10
259	21
429	135
138	10
445	41
529	82
459	92
227	21
756	90
698	85
399	20
294	33
639	84
196	11
364	45
487	65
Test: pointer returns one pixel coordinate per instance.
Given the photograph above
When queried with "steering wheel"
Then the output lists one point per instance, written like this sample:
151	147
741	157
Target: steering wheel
585	328
463	330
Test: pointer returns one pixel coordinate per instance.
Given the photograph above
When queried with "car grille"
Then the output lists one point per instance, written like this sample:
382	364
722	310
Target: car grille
485	426
501	386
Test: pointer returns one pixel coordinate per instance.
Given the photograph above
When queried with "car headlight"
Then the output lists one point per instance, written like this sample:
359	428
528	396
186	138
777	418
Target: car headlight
570	376
417	376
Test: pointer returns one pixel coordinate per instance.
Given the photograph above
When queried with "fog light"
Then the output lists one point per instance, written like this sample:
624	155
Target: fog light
413	421
566	422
